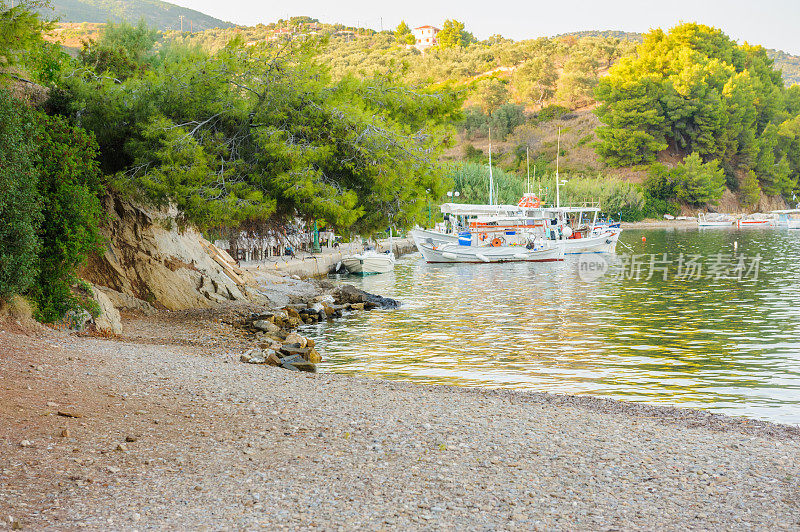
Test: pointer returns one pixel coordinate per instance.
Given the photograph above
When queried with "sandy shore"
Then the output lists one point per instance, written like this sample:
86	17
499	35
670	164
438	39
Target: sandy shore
165	430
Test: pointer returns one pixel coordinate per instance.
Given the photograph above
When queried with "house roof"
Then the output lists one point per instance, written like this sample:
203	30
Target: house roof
425	27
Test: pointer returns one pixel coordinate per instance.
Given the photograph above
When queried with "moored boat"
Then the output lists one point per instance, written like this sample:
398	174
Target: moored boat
369	262
574	229
756	220
715	220
788	218
453	253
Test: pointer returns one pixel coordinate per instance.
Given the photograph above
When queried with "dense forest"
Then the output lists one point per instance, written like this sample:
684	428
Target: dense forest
531	93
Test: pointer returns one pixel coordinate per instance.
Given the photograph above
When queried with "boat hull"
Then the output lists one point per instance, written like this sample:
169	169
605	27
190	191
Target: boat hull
715	224
368	265
605	242
453	253
755	223
432	237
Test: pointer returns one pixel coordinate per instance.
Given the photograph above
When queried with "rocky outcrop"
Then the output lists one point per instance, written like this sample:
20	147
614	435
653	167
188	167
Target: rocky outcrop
148	257
108	321
125	302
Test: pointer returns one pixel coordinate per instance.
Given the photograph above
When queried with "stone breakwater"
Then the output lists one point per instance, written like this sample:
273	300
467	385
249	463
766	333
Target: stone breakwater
275	330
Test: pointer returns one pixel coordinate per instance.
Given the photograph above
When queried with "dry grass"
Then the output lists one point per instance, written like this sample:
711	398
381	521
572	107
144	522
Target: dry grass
17	308
16	315
72	34
577	139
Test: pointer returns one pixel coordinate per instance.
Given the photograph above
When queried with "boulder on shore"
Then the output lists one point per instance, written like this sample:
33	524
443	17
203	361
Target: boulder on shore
108	321
349	294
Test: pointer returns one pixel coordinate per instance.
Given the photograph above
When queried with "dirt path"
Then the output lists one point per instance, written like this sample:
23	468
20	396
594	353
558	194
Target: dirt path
164	436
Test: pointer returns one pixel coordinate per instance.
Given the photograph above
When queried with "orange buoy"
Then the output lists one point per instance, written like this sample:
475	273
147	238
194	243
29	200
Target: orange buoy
496	242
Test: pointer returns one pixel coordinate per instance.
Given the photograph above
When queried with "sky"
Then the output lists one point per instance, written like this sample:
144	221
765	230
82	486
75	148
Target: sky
771	23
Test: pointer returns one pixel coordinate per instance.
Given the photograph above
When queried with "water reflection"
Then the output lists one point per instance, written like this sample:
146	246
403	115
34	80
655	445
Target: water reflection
723	345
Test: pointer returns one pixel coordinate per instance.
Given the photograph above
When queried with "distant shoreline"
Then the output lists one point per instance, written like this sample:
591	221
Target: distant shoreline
659	224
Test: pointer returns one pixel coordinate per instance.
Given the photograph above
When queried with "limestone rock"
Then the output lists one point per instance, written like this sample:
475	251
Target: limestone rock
109	320
266	326
125	302
149	257
296	339
347	293
313	356
273	359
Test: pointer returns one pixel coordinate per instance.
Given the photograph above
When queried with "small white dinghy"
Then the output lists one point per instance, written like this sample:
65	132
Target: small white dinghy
369	262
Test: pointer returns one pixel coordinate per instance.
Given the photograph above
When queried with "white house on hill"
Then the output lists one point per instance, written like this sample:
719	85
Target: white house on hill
425	37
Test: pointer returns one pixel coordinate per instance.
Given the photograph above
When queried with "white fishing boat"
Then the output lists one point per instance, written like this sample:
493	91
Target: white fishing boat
715	220
369	262
756	220
519	231
574	229
449	253
788	218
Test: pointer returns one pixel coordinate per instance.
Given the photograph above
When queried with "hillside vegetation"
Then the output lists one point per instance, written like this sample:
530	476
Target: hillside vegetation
256	128
787	64
254	137
159	15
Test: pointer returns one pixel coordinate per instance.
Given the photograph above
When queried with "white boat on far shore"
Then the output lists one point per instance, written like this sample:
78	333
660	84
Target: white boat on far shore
756	220
715	220
788	218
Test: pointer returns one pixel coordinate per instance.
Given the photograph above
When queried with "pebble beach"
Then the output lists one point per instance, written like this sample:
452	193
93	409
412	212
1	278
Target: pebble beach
145	433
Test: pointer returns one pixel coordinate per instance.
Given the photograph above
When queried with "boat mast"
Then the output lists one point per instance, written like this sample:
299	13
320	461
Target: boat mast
558	180
528	165
491	178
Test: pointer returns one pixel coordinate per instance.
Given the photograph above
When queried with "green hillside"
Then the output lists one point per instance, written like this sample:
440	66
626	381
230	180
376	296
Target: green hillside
788	64
157	14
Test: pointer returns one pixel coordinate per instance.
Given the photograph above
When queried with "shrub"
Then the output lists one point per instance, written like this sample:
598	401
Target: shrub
551	112
19	206
618	198
503	121
698	183
506	119
750	190
473	154
69	185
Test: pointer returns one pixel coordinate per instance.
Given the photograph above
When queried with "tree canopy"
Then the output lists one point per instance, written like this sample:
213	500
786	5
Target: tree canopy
453	34
695	90
403	34
257	132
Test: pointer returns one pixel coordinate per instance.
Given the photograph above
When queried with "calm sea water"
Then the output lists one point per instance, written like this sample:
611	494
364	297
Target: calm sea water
702	339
